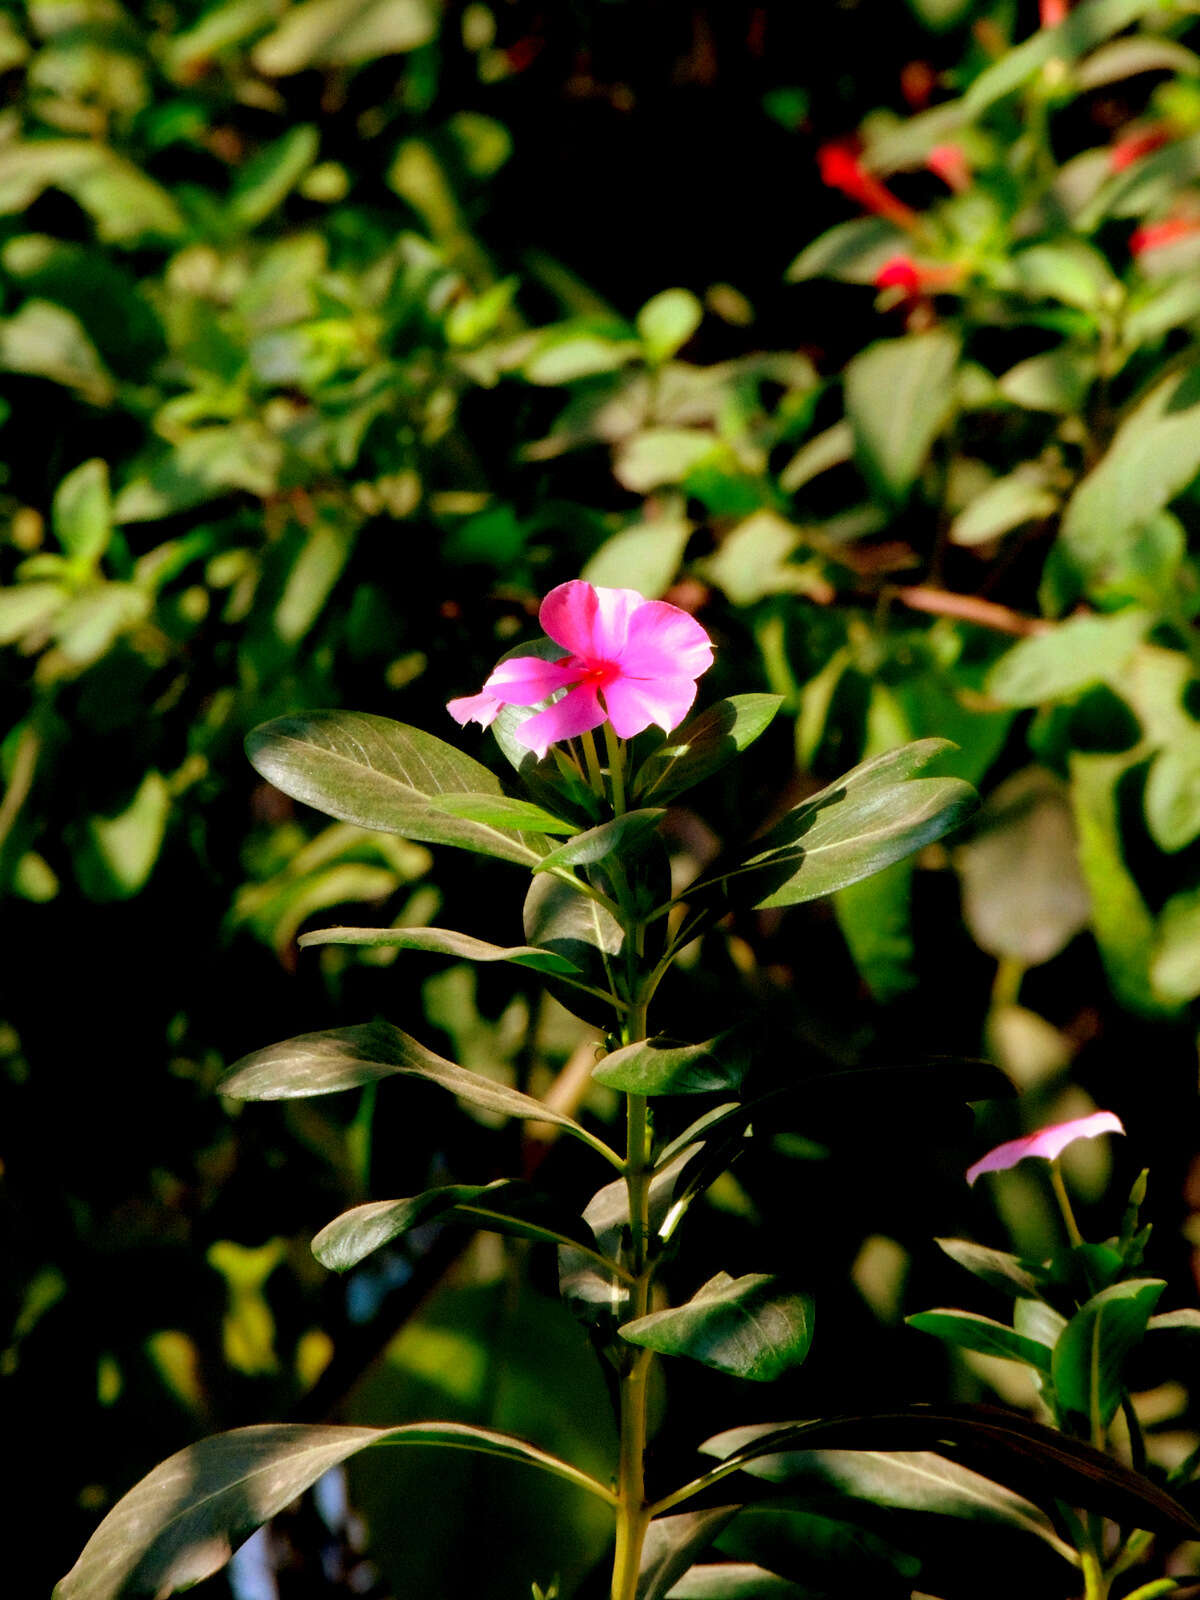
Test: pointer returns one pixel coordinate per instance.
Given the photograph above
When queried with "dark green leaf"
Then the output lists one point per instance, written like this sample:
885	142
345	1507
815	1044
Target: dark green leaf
915	1480
381	774
673	1543
444	941
971	1332
899	396
504	1206
266	180
654	1066
744	1326
871	817
347	1058
1005	1272
735	1580
704	744
182	1522
1092	1347
1030	1457
617	837
828	1555
522	816
853	251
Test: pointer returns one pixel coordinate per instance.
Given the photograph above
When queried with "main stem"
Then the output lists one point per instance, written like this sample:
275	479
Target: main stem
632	1513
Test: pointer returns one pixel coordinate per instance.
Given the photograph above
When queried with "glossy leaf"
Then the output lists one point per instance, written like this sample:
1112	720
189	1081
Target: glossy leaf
832	1554
1091	1349
522	816
673	1543
381	774
744	1326
899	396
971	1332
1002	1271
182	1522
736	1580
443	941
875	815
913	1480
504	1206
654	1066
619	837
1027	1456
704	744
347	1058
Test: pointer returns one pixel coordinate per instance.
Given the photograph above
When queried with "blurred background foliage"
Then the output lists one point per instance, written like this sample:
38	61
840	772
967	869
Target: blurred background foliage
333	334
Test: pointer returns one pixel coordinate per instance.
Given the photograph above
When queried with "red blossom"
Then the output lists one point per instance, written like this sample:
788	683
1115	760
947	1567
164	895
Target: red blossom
916	278
841	169
1135	145
1054	12
1155	235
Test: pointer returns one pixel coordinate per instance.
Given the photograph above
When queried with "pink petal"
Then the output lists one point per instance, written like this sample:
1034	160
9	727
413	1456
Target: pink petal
526	680
590	622
633	704
1046	1142
482	708
665	642
577	712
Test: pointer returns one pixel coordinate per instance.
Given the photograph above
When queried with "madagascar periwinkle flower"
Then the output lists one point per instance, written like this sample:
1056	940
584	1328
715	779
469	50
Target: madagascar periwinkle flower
1048	1142
629	662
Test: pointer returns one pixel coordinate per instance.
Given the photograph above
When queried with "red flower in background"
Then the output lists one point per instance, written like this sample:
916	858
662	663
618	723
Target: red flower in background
1156	235
949	163
1142	142
916	278
1054	12
841	169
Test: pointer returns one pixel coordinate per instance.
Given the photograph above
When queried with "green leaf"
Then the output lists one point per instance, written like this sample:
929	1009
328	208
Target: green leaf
521	816
203	466
1122	922
1091	1349
1002	1271
735	1580
754	559
899	396
971	1332
657	456
347	1058
1173	794
1013	1450
1006	504
444	941
1070	271
1154	456
124	203
122	850
1125	58
45	341
1057	380
667	322
504	1206
831	448
653	1066
564	921
744	1326
381	774
829	1555
27	607
331	33
271	174
672	1544
1186	1320
914	1480
619	836
181	1523
1067	658
874	815
644	556
1175	967
82	513
853	251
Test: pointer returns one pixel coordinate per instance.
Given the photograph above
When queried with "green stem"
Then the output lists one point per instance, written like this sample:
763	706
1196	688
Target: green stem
1095	1583
591	755
1064	1204
633	1514
616	768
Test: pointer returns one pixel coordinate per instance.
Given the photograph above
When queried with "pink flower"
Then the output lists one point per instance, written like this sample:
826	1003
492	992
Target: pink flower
630	662
1049	1143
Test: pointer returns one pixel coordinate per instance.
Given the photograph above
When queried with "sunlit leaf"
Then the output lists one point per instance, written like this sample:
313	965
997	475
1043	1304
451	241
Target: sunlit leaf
899	395
745	1326
1091	1349
654	1066
972	1332
444	941
673	1543
620	836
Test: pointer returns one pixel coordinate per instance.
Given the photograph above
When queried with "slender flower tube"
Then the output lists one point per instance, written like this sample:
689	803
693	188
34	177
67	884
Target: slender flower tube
841	169
630	662
916	278
1048	1142
1134	146
949	163
1157	235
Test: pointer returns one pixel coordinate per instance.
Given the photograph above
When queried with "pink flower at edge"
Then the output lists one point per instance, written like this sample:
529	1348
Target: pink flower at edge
1049	1142
630	662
